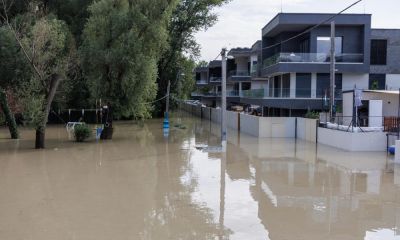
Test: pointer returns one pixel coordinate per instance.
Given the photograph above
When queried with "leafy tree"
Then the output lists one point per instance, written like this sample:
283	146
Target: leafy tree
46	46
188	18
13	70
51	48
121	44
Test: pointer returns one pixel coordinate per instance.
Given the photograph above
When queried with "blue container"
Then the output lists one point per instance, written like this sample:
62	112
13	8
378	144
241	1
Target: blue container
166	121
392	150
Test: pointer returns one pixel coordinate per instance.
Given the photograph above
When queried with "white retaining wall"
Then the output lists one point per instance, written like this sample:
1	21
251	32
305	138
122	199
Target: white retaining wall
267	127
307	129
357	142
206	113
216	115
232	119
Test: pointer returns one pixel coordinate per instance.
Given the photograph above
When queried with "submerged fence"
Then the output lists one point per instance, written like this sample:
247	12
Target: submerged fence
262	127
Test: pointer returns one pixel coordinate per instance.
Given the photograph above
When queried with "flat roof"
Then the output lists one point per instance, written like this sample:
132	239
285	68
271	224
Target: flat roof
302	21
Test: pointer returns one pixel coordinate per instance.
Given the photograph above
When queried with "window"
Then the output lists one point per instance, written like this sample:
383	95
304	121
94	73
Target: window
378	52
377	81
305	46
324	84
303	85
286	85
324	45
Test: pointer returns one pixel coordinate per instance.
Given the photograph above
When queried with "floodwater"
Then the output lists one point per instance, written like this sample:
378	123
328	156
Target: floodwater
143	185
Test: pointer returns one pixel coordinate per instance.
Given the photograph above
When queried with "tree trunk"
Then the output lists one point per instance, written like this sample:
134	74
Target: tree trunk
40	134
41	129
10	119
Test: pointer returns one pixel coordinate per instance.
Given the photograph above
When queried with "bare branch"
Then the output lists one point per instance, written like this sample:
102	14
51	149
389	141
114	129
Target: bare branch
19	40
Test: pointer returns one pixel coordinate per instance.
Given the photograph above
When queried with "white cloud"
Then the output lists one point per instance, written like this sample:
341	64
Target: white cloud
240	21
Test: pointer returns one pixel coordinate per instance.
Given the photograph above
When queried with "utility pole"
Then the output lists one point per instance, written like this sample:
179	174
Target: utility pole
333	72
166	115
223	102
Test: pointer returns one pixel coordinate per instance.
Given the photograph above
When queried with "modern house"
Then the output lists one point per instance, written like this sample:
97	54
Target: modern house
287	73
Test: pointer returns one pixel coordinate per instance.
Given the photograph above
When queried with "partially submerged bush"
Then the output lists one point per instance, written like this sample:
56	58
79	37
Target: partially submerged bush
312	115
81	132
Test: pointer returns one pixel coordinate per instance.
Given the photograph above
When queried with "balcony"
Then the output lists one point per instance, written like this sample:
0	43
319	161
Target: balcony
201	82
215	79
298	93
213	94
312	58
254	71
236	75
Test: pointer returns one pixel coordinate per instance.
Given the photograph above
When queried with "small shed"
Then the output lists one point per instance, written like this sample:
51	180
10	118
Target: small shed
378	107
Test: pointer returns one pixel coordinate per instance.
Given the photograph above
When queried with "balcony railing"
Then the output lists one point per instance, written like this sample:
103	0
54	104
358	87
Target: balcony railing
213	94
236	73
312	58
215	79
254	70
288	93
201	82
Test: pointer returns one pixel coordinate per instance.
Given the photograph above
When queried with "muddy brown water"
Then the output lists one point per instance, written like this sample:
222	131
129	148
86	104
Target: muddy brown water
143	185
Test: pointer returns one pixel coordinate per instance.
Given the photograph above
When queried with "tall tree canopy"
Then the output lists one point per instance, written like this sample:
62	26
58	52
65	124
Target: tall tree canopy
122	42
189	17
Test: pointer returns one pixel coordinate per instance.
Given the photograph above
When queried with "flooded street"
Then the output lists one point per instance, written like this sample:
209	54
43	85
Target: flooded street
143	185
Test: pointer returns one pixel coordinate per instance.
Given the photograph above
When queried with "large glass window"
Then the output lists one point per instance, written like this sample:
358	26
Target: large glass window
303	85
324	84
378	52
324	45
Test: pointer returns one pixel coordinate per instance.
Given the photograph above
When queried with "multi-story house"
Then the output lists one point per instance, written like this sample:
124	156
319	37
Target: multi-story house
290	77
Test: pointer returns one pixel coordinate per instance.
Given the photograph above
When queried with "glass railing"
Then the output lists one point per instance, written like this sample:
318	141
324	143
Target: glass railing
254	70
289	93
236	73
201	82
215	79
254	93
312	58
306	93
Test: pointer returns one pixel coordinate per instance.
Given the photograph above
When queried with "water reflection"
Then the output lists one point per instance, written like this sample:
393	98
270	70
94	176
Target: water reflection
287	189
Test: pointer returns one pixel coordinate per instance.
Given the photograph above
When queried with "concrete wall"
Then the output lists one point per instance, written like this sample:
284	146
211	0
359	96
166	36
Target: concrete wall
307	129
393	81
267	127
206	113
197	111
393	51
216	115
356	142
350	79
242	63
233	119
250	125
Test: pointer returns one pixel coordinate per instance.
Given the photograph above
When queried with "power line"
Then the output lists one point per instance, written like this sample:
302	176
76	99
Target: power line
156	100
314	27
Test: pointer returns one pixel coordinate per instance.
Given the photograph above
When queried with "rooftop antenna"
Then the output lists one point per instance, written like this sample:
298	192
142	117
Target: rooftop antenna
281	6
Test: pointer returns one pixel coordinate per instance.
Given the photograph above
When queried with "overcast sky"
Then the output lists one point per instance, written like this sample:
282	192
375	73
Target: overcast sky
240	21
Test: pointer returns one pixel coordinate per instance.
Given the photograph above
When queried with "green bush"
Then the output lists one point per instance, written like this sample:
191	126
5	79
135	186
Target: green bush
312	115
81	133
